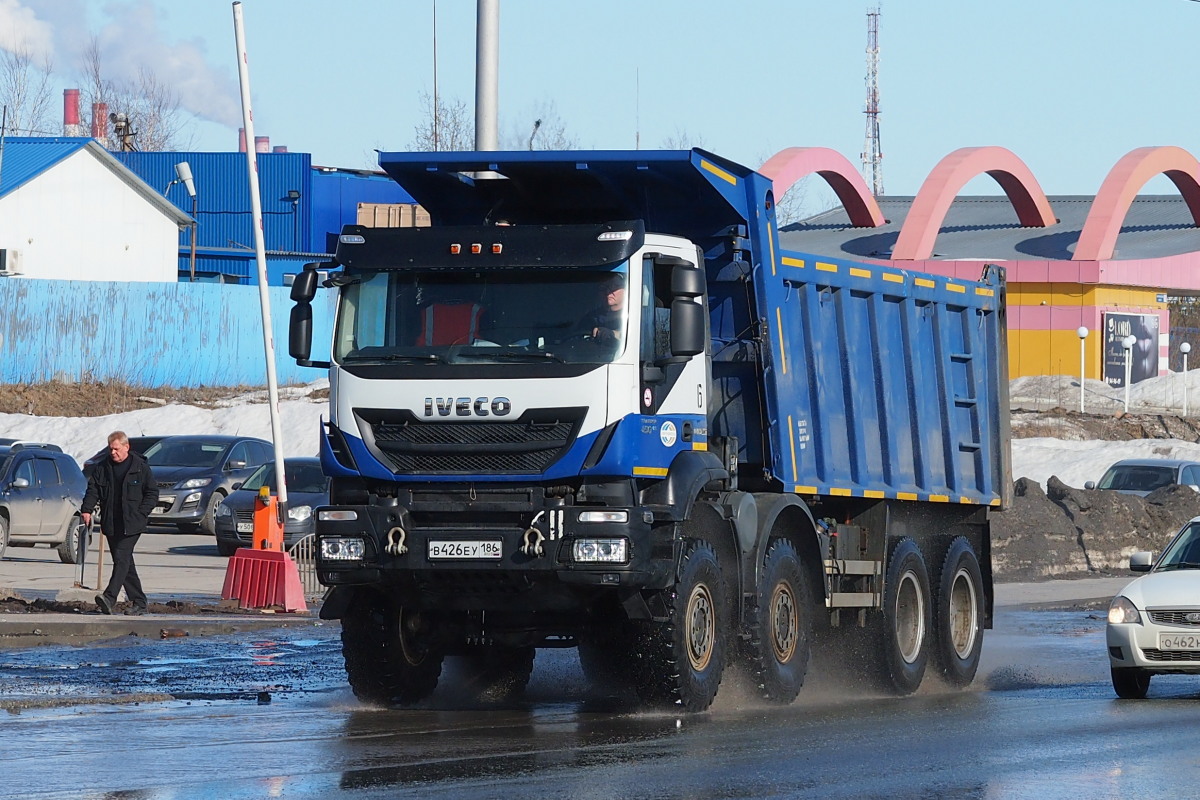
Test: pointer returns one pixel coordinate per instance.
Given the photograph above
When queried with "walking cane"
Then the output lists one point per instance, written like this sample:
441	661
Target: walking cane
99	562
83	538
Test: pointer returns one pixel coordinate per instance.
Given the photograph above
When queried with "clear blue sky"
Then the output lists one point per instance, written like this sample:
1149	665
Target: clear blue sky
1068	85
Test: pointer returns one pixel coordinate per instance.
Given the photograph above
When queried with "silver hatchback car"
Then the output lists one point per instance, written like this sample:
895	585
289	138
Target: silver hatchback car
1154	623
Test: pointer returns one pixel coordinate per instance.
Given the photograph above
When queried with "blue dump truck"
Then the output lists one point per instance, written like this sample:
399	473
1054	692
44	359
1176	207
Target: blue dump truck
596	404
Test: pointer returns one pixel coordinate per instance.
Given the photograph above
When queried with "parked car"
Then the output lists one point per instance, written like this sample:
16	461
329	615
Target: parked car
1141	476
138	444
307	488
1154	623
41	489
195	473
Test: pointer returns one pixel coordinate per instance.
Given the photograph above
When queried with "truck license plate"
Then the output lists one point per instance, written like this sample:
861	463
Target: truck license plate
465	549
245	527
1179	641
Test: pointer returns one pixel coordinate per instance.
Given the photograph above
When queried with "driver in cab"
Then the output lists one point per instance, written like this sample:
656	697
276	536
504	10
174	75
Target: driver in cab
604	323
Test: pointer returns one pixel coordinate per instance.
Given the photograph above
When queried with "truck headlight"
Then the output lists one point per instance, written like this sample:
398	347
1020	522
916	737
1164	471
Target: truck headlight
603	551
1122	610
604	516
342	548
299	513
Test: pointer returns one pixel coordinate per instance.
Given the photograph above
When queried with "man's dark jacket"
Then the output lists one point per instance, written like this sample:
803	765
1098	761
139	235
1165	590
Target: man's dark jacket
138	499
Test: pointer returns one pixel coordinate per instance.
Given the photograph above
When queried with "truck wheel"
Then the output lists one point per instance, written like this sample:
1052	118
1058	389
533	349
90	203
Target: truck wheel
392	654
68	550
684	657
608	656
1130	683
781	635
495	673
907	620
959	614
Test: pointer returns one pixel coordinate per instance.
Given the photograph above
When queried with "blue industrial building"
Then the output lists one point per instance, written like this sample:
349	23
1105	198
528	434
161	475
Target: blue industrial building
303	208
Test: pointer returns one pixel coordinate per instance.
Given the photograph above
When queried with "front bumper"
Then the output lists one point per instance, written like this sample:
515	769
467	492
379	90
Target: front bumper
1140	645
532	555
176	506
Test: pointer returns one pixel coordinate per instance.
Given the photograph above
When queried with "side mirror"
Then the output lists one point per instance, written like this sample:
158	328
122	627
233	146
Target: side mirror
304	285
236	486
687	327
20	483
686	281
1141	561
1090	485
233	465
300	330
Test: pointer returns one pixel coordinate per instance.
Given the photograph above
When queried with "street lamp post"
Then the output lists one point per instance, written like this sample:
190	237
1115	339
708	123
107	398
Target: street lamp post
1127	343
1082	333
183	174
1185	348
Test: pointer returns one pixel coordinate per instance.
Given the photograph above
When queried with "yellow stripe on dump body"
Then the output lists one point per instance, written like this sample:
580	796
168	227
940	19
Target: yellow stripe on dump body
954	287
806	490
928	284
720	173
860	273
779	329
985	292
893	277
788	261
792	441
821	265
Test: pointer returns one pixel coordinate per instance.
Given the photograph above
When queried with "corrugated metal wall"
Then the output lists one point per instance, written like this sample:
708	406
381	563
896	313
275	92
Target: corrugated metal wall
149	334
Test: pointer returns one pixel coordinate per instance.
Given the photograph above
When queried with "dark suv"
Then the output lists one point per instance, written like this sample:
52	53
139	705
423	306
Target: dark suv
41	489
195	473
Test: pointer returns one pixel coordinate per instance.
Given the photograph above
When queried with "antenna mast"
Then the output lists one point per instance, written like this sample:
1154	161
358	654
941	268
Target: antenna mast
872	156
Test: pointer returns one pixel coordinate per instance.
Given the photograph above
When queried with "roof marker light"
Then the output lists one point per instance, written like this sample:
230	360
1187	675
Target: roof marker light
455	249
615	236
476	248
351	238
497	248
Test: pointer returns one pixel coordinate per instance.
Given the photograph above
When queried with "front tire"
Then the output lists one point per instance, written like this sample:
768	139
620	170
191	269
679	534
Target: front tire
959	614
907	620
496	673
685	656
781	635
68	550
1130	683
392	654
208	523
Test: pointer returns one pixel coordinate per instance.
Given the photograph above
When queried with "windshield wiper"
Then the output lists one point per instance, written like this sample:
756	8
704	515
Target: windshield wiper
1179	565
427	358
535	355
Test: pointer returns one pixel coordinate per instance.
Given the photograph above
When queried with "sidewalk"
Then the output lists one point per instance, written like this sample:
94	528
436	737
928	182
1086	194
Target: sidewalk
172	566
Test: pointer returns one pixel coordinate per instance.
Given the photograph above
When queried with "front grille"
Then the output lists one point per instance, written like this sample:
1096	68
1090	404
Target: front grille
1171	655
243	516
1173	617
165	484
530	444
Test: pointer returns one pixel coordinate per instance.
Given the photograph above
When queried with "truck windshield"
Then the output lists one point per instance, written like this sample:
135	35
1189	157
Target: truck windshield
575	316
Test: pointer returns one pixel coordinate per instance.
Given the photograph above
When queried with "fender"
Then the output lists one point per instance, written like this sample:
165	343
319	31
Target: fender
336	601
812	546
689	473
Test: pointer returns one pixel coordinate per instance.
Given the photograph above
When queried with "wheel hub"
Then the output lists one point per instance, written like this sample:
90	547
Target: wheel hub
701	627
910	617
784	624
964	609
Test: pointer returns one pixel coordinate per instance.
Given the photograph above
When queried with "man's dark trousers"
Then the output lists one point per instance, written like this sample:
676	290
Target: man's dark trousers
124	571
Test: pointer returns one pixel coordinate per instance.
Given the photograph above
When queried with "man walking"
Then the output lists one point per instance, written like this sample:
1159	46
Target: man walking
124	487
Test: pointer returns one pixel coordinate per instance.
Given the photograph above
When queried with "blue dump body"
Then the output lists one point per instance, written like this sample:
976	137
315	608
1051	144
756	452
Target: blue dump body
837	378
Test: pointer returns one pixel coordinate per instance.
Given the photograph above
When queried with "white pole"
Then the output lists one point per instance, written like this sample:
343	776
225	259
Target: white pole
260	255
1128	343
487	72
1185	348
1082	332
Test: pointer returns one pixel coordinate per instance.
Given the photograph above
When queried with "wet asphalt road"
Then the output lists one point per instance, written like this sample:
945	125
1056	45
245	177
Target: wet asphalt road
263	715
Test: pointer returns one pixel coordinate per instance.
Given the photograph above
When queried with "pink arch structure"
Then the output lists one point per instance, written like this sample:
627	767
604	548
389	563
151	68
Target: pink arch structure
793	163
947	179
1098	239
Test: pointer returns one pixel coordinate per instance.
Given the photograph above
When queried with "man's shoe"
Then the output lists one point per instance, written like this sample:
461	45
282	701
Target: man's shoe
104	604
135	611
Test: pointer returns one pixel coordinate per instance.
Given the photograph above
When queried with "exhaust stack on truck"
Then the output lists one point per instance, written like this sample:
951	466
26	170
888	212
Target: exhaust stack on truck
597	404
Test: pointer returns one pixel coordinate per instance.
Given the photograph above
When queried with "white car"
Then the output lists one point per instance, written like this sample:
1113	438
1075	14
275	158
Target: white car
1154	623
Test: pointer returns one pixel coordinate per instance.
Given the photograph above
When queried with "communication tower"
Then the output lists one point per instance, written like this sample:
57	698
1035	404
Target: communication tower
872	156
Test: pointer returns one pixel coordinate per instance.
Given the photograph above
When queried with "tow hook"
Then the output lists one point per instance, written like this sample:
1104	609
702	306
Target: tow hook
533	537
395	542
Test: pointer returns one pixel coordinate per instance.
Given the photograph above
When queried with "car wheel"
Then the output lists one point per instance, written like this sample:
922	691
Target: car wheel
68	551
208	523
3	537
1130	683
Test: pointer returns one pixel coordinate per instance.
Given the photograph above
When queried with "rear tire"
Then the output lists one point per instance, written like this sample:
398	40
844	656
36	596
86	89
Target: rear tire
907	620
959	614
496	673
3	538
1130	683
68	551
781	634
392	654
684	657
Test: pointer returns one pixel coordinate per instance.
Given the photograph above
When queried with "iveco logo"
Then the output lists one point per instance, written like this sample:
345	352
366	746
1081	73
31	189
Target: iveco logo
1193	616
467	407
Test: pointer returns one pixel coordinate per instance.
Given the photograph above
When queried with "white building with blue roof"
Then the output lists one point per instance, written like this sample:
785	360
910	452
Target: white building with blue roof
70	210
